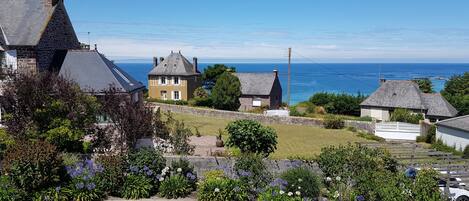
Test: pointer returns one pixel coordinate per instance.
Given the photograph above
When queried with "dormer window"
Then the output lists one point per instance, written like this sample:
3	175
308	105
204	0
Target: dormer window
176	80
163	80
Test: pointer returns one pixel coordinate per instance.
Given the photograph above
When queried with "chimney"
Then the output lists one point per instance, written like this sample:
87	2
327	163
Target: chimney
276	73
195	64
155	62
381	81
161	59
95	47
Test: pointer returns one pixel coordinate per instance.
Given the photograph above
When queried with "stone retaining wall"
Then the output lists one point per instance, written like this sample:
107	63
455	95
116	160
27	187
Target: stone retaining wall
361	125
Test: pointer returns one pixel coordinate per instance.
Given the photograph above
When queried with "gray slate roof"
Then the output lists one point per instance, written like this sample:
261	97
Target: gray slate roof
461	123
174	64
256	83
438	106
95	73
406	94
23	21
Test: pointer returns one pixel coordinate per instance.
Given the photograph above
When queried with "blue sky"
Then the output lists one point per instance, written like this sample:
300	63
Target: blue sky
262	30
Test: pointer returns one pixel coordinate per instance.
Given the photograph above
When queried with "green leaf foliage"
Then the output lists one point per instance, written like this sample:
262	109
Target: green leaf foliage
251	137
222	189
404	115
136	187
226	93
176	186
338	103
456	91
252	171
333	122
303	181
213	73
425	85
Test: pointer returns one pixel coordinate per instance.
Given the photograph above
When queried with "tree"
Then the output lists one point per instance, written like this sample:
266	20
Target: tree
338	103
456	91
132	120
212	73
47	107
251	137
425	85
226	93
404	115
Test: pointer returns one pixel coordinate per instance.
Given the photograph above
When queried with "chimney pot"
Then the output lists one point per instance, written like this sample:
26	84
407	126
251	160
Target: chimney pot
96	47
155	62
195	64
276	73
382	80
161	59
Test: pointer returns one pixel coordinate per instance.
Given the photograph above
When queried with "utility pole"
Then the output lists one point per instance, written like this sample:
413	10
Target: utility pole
289	76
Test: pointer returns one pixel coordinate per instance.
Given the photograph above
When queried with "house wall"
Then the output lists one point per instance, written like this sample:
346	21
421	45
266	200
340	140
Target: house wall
187	86
376	113
246	102
452	137
26	59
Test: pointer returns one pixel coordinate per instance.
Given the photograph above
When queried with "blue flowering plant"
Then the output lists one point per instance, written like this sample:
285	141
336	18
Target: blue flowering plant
83	181
147	163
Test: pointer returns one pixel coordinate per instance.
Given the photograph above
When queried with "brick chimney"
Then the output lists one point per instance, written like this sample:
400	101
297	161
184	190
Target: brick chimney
50	3
276	73
155	62
161	59
195	64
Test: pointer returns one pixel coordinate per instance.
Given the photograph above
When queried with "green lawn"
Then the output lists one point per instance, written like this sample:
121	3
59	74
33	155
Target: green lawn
293	140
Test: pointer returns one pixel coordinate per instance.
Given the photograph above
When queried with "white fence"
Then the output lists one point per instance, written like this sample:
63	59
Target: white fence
397	130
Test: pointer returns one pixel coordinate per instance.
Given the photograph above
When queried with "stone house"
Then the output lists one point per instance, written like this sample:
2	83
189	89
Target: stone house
173	78
454	132
260	90
393	94
32	32
95	74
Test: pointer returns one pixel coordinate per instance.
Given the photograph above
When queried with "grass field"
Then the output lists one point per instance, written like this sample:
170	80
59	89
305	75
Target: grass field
293	140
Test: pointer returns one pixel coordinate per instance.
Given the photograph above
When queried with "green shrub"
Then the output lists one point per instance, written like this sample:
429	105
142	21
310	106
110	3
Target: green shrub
200	92
8	191
84	176
222	190
171	102
404	115
431	135
6	141
333	122
294	112
146	162
425	186
302	182
277	194
176	186
214	174
201	102
465	154
370	136
136	187
251	137
252	171
112	178
226	92
70	159
53	193
440	146
365	118
184	168
33	165
338	103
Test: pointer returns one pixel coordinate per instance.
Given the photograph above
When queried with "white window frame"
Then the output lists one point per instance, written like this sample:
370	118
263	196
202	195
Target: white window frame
166	94
178	80
256	102
174	95
165	80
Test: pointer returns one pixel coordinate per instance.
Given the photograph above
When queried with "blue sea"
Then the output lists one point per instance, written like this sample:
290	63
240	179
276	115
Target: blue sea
309	78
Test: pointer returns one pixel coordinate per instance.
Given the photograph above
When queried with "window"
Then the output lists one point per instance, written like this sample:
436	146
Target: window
163	80
176	80
163	95
256	102
176	95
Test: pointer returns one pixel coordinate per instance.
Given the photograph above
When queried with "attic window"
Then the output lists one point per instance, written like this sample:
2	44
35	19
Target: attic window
123	76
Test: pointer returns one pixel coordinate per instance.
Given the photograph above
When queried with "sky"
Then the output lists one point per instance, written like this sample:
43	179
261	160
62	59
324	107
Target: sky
263	30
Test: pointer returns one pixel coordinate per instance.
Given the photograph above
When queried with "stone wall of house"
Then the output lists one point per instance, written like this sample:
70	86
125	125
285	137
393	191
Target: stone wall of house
204	164
246	102
58	35
361	125
26	60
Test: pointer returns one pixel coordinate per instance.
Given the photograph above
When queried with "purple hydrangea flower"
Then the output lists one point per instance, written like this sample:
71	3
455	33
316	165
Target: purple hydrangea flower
244	173
79	185
57	189
91	186
360	198
149	173
145	168
134	169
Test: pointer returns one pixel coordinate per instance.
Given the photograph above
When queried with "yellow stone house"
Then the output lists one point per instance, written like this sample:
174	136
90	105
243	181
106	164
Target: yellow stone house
173	78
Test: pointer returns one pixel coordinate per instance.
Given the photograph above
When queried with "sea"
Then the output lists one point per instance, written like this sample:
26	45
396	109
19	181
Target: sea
352	78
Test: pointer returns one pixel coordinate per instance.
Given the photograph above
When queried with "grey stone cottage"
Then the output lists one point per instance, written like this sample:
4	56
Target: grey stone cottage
260	90
32	32
393	94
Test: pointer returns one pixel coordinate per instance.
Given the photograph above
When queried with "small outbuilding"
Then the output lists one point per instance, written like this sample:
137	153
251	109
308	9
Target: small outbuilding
260	90
454	132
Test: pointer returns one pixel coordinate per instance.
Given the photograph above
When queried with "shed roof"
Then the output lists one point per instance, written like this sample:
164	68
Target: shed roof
256	83
23	21
175	64
460	123
95	73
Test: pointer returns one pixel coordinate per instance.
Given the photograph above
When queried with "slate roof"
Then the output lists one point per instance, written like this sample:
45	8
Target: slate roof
23	21
438	106
256	83
406	94
95	73
174	64
460	123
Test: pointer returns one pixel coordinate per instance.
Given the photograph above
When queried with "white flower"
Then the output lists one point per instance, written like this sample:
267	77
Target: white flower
328	179
336	194
179	170
337	178
163	174
298	193
300	180
217	190
299	187
281	192
161	179
290	193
